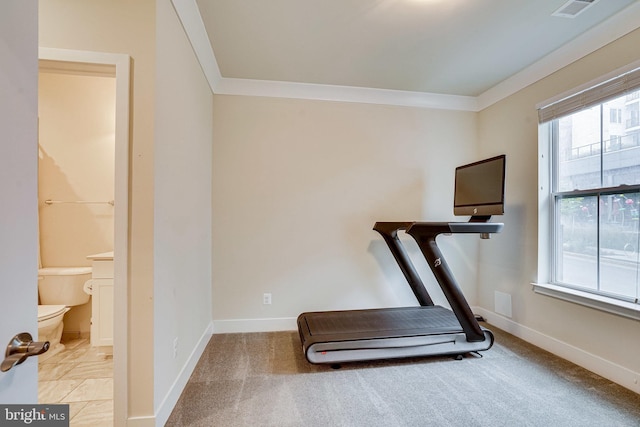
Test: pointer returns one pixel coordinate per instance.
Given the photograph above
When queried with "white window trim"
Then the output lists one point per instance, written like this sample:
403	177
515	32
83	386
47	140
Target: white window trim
599	302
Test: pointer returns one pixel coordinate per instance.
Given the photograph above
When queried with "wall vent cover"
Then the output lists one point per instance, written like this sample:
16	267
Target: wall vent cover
573	8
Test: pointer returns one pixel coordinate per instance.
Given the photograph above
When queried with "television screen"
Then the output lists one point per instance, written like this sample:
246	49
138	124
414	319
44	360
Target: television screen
479	188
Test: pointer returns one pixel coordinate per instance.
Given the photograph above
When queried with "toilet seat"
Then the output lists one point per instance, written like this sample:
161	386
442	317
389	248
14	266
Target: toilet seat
46	312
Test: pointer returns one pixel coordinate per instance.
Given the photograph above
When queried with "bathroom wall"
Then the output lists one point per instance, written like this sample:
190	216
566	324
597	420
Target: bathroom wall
76	163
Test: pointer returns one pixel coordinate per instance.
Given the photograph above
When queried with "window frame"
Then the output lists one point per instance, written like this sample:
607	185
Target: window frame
597	92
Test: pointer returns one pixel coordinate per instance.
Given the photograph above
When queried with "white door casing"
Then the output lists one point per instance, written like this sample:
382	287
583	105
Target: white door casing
80	61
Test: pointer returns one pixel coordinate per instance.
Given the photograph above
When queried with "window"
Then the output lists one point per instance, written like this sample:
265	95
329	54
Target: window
595	202
615	115
593	190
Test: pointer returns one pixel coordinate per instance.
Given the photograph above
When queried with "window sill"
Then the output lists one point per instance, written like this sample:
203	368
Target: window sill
599	302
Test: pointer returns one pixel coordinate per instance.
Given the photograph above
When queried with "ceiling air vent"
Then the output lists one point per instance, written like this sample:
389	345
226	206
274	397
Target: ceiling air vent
573	8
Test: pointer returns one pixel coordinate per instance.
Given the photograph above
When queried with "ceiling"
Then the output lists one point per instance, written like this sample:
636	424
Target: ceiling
460	49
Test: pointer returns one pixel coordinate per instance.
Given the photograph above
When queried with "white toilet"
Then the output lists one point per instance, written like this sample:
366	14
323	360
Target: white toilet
59	289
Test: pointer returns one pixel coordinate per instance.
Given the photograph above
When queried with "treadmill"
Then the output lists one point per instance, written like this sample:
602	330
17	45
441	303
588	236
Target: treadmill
335	337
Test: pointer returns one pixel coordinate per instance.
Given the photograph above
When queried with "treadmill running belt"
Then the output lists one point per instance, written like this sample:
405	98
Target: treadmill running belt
386	321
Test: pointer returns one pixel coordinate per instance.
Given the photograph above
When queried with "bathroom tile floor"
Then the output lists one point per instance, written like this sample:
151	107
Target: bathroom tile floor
82	378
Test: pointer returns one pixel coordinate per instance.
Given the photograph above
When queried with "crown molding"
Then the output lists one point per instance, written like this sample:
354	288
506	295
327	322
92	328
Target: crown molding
318	92
599	36
189	15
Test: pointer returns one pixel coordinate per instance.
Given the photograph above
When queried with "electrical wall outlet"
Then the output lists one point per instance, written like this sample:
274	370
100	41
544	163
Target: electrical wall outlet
175	347
266	299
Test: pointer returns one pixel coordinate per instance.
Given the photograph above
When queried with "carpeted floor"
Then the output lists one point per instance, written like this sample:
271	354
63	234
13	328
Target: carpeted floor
262	379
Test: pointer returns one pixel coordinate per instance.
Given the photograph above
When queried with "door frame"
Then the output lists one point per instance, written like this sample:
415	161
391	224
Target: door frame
122	64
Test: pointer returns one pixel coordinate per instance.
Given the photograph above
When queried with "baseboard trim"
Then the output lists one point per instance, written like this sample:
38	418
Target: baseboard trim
227	326
605	368
171	398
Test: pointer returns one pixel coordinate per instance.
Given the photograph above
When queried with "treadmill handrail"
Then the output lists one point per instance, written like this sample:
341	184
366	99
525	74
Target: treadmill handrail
389	232
455	227
425	234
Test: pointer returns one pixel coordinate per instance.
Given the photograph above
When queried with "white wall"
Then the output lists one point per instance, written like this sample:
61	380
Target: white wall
297	188
602	342
182	211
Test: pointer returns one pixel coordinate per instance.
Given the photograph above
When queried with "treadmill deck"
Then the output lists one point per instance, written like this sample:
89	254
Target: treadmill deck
352	335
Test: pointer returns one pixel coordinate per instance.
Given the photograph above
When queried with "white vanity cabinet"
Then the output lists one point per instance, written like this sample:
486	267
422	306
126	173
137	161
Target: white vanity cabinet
102	301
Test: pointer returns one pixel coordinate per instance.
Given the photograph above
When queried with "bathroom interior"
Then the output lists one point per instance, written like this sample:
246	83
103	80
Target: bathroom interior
76	109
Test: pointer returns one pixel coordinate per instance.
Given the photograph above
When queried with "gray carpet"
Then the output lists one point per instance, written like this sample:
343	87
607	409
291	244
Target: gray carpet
262	379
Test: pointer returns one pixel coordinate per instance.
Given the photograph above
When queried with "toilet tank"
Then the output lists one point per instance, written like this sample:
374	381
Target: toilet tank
63	285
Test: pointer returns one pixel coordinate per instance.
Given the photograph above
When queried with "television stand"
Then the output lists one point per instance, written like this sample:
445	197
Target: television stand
387	333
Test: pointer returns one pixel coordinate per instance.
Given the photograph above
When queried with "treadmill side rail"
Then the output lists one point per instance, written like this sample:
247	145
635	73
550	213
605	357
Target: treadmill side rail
425	234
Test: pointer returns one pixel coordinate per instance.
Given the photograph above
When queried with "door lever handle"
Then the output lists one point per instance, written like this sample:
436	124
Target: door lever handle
20	347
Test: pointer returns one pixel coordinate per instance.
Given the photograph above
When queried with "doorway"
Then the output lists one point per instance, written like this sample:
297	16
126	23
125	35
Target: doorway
116	66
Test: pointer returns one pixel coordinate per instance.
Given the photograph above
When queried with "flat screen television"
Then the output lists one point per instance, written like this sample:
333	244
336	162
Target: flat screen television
479	189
